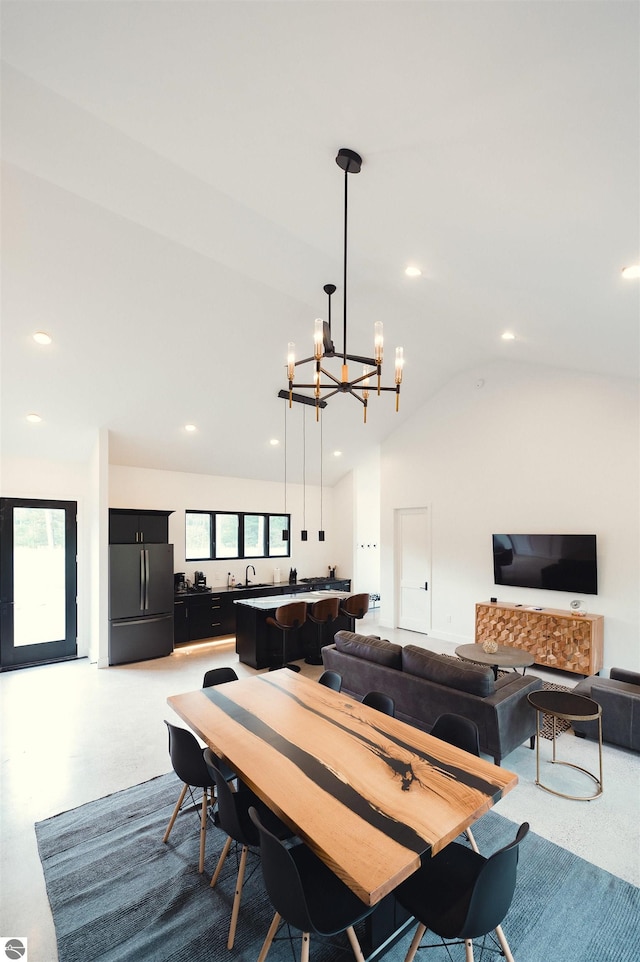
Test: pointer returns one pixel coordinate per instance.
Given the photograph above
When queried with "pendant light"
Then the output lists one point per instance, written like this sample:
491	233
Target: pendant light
321	531
285	531
304	533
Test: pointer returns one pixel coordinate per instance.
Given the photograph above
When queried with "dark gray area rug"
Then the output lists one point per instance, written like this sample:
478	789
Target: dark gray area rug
118	894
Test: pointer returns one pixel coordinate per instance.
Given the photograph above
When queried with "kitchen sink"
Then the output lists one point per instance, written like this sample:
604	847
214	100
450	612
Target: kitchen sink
253	584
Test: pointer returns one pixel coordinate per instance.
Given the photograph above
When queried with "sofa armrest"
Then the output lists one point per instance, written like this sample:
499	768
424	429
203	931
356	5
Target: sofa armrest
621	674
516	719
620	716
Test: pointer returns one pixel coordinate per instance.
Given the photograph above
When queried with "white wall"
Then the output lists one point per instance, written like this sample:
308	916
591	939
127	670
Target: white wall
531	450
366	568
175	491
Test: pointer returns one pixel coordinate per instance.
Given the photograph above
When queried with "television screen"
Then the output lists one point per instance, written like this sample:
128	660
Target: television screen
560	562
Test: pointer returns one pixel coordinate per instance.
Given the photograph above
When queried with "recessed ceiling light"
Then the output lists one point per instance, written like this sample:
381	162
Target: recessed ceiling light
412	271
632	272
41	337
508	336
337	454
273	442
190	427
34	418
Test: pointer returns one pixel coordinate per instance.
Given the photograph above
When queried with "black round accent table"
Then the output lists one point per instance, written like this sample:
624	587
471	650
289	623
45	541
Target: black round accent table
571	707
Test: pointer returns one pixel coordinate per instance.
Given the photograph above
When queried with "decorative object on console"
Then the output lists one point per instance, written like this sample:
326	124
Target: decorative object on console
578	607
358	387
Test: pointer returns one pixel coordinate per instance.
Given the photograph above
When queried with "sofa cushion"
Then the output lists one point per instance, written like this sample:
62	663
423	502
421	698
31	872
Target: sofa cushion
370	648
449	672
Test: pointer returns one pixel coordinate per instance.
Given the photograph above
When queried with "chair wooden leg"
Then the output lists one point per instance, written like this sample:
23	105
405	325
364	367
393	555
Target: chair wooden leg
503	943
355	945
175	813
237	897
223	855
304	948
266	945
472	841
468	950
417	938
203	830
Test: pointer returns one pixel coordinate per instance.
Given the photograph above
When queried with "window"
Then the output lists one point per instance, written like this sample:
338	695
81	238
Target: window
213	535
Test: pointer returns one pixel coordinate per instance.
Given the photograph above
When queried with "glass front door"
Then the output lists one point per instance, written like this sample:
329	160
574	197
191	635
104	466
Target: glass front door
37	581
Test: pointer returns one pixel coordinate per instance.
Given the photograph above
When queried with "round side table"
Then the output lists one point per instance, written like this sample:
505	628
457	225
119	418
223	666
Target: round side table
571	707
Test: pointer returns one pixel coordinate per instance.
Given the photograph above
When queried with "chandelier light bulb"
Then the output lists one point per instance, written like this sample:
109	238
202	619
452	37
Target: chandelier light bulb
291	360
318	338
632	272
399	364
378	341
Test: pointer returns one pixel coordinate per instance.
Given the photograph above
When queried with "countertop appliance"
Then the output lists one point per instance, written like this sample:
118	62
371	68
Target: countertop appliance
140	602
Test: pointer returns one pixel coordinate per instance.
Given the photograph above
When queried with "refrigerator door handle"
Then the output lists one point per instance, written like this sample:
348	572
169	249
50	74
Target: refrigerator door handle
124	623
143	581
146	579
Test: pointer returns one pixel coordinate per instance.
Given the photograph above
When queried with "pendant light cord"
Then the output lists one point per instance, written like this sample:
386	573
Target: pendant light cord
304	469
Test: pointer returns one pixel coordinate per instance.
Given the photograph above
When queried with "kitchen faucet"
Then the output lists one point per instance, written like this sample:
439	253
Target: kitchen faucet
246	574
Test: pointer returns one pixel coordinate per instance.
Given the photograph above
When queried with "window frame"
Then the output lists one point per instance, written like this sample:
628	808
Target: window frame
240	515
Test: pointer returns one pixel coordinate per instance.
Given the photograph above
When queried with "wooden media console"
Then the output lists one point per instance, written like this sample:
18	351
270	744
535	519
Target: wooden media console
555	638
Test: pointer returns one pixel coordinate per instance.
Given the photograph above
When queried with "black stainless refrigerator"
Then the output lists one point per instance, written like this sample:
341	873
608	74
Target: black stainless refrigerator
140	602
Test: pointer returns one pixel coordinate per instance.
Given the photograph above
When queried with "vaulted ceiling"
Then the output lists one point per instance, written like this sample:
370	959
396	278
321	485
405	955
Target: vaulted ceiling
172	209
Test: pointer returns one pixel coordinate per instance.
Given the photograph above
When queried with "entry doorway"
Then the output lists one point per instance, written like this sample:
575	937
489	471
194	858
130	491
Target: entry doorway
38	581
413	569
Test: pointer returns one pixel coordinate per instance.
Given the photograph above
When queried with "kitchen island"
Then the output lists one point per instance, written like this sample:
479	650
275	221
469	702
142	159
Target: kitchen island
260	645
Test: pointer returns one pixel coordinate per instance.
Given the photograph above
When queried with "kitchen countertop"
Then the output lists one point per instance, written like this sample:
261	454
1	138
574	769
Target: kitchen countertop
260	586
274	601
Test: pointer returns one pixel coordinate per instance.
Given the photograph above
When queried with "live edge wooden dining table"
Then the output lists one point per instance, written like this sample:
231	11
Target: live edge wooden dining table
368	793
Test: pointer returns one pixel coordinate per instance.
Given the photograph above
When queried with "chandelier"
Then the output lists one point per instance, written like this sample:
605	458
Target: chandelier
325	384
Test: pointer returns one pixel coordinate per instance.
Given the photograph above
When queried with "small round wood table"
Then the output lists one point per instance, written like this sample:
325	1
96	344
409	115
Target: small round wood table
571	707
502	657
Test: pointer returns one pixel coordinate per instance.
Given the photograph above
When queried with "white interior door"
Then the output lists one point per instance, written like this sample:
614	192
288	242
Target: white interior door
413	541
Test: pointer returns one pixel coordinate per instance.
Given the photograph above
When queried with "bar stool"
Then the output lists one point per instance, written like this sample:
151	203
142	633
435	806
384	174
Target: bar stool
288	618
321	613
356	606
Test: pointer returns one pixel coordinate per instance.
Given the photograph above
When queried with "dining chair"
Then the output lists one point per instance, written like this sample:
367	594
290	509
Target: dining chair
460	895
331	679
306	894
321	613
188	764
354	607
380	701
233	818
288	618
462	733
218	676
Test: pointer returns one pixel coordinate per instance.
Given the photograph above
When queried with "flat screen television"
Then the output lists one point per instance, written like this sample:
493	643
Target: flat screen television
559	562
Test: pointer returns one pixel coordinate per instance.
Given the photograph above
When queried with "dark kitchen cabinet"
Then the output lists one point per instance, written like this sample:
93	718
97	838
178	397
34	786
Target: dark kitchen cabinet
180	622
131	526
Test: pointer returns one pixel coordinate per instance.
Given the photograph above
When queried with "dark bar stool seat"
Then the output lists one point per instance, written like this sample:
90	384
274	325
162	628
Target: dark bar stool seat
288	618
321	613
356	606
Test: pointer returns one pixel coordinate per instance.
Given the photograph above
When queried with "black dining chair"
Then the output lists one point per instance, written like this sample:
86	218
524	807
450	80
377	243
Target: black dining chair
321	613
462	733
331	679
233	818
354	607
188	764
218	676
288	618
460	895
380	701
306	894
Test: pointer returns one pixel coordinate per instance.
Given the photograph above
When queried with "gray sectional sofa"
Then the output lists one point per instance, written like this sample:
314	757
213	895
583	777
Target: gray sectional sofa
424	684
619	696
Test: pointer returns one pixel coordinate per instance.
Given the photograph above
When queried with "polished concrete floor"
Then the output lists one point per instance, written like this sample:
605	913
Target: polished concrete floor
72	733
